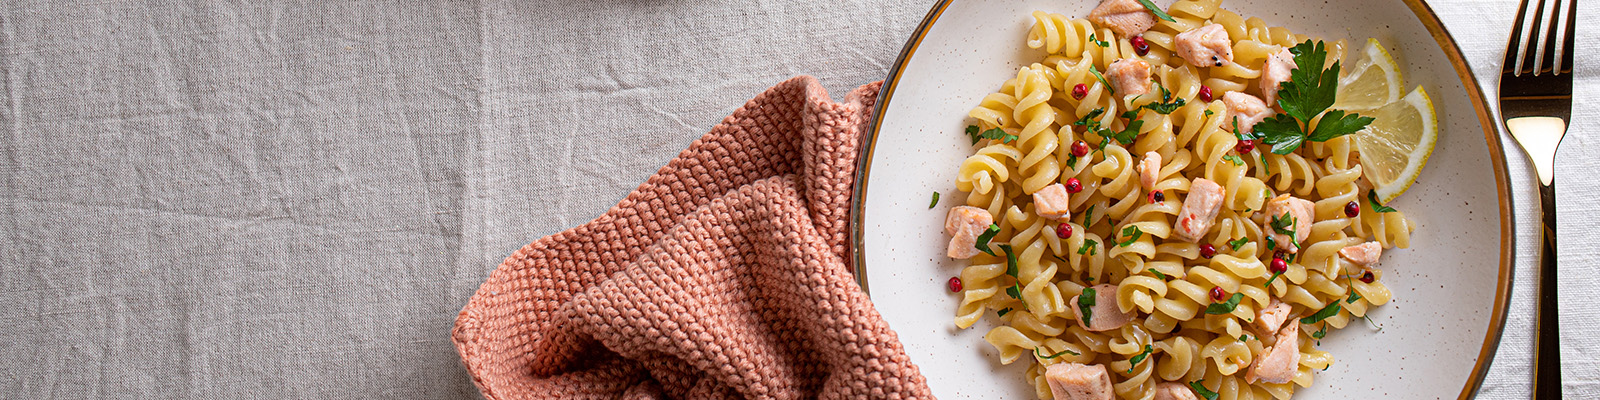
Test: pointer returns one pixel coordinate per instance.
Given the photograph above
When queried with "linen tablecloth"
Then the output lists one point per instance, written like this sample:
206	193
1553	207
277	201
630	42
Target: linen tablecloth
292	200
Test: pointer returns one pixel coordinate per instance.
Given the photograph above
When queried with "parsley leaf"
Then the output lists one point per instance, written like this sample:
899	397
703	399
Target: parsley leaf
1236	244
983	239
1202	391
1320	333
1103	80
1098	42
1275	276
1167	104
1331	310
1310	89
1225	307
1088	247
1283	224
1139	358
1282	132
998	134
1337	123
973	131
1011	259
1244	338
1372	197
1234	158
1156	10
1087	215
1158	274
1003	311
1016	293
1130	132
1086	304
1072	161
1354	296
935	201
1132	233
1041	355
1209	112
1309	92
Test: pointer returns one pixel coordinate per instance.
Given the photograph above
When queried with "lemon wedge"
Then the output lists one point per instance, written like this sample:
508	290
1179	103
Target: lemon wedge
1397	143
1372	82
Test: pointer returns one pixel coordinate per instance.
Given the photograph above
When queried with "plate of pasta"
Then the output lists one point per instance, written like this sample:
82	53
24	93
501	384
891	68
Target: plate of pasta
1190	199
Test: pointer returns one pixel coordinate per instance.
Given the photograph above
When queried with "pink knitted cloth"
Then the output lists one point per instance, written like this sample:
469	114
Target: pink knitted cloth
723	276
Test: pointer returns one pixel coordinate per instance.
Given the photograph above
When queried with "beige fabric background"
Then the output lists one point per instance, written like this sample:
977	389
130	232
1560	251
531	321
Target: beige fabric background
293	199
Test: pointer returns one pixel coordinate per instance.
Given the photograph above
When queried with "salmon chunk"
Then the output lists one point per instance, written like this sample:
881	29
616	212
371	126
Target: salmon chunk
1105	315
964	224
1362	254
1298	211
1149	170
1125	17
1074	381
1130	76
1249	109
1278	69
1278	364
1174	391
1052	202
1269	319
1200	209
1206	46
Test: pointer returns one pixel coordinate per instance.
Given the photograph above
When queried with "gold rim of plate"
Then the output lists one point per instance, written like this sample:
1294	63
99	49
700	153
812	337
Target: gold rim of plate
1429	20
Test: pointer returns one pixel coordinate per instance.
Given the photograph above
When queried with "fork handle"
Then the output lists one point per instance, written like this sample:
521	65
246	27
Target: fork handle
1547	345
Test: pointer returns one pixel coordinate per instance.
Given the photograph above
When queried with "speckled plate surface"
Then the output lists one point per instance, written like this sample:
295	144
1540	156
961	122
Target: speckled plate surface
1450	287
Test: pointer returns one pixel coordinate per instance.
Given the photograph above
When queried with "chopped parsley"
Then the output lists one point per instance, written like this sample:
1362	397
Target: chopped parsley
1003	311
1244	338
1103	80
1072	161
1011	259
1372	196
1132	233
1225	307
1354	296
1320	333
1058	258
1130	132
1088	217
1331	310
1088	247
1098	42
998	134
1237	243
1275	276
1158	274
973	132
1045	357
1202	391
1243	136
1139	358
1156	10
983	239
1308	93
935	201
1209	112
1011	269
1167	104
1234	158
1086	304
1283	224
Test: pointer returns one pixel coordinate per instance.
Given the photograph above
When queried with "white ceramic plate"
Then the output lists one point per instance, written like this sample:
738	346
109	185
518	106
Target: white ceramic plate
1450	287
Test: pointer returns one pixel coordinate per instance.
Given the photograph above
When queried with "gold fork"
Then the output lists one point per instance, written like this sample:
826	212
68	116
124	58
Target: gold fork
1536	103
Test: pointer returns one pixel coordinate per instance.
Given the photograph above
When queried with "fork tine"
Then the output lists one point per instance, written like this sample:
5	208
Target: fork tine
1519	40
1568	39
1542	35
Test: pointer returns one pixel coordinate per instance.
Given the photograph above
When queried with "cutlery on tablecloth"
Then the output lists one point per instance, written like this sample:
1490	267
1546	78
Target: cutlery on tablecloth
1536	104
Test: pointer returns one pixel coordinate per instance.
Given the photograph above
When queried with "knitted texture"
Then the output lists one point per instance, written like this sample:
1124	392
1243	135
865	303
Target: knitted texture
723	276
